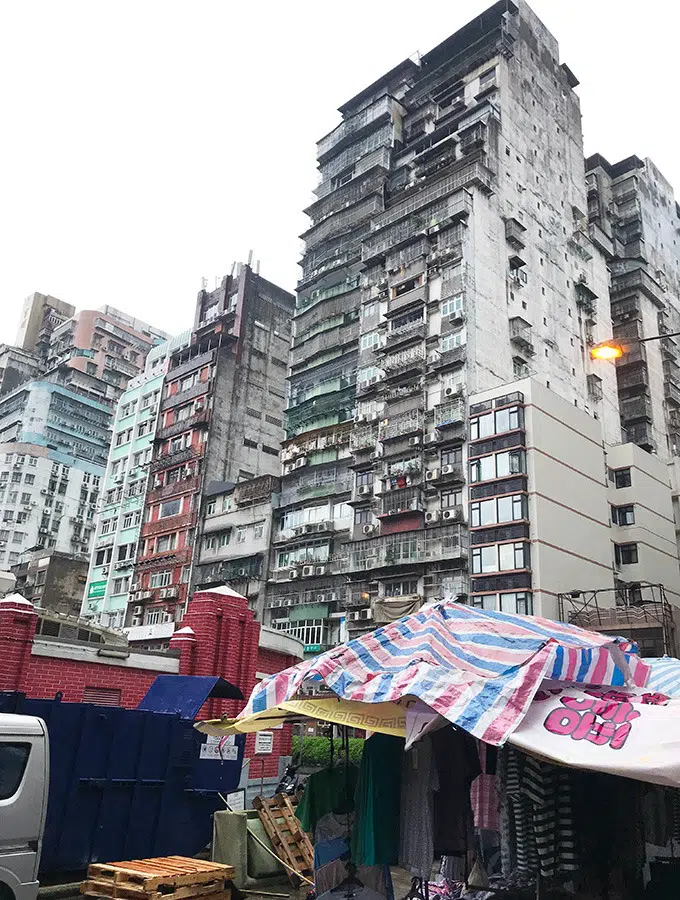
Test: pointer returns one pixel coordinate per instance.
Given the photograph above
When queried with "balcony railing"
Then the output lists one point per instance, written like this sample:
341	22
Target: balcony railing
417	199
521	335
174	458
639	408
413	358
379	158
672	392
449	542
400	426
363	438
349	127
169	524
199	418
342	221
400	502
196	362
452	412
184	486
416	328
638	280
197	390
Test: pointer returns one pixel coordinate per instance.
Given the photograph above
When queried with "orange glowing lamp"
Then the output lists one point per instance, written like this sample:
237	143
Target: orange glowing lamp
607	350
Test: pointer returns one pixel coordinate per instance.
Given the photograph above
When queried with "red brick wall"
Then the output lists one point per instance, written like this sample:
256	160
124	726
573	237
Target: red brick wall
269	662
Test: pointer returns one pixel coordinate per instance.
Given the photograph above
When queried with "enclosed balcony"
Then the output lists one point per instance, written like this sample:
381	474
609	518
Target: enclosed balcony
410	423
451	412
638	280
416	328
521	335
515	234
354	127
400	502
411	360
635	408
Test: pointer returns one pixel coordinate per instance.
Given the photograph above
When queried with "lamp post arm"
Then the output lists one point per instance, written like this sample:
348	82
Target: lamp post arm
656	337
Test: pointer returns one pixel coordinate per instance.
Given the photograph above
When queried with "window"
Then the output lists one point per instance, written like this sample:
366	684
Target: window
512	602
626	554
406	286
498	422
123	437
13	759
451	341
450	499
500	558
209	542
370	340
120	585
16	478
143	428
166	542
622	478
498	465
211	508
487	79
25	498
18	537
623	515
368	310
364	479
498	510
452	457
126	551
102	557
108	525
241	533
169	508
452	305
363	516
401	588
258	531
175	475
160	579
33	460
131	519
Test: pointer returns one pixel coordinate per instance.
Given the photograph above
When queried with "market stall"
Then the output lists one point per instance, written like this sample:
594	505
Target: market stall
442	690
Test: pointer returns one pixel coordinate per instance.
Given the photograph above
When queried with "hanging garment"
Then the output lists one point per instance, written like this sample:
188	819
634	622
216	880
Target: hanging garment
419	782
331	856
484	791
375	837
517	826
331	790
457	764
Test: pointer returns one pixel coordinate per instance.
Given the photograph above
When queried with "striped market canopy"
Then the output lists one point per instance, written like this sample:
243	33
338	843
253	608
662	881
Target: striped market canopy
665	675
478	668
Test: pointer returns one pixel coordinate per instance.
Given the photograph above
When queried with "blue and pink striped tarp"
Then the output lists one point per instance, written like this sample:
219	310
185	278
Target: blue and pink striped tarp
478	668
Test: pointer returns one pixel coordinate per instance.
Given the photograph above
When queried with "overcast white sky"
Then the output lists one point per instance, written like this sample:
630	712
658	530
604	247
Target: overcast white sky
148	144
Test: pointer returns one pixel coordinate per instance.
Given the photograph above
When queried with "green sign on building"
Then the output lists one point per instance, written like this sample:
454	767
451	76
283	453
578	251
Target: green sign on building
96	589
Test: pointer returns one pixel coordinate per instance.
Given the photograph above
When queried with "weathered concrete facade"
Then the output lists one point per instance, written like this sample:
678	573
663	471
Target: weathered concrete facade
449	254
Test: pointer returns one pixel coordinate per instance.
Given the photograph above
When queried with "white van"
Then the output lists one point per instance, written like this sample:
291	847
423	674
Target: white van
24	783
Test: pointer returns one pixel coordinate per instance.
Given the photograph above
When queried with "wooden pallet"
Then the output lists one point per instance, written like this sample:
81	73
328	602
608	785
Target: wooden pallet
289	841
139	879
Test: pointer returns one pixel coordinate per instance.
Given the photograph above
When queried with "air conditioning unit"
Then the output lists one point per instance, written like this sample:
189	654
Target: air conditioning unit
276	603
135	586
432	475
368	529
308	529
105	571
293	574
299	530
287	602
158	481
138	610
136	620
163	593
365	613
319	570
302	461
365	490
448	470
307	571
434	437
119	479
320	598
353	617
199	405
433	517
414	442
451	515
323	526
387	485
286	455
242	572
147	595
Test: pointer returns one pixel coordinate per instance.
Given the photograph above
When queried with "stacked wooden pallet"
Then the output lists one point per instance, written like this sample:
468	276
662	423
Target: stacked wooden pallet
169	877
289	841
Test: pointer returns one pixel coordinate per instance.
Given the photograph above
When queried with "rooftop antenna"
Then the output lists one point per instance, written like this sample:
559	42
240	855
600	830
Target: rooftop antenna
217	281
250	257
204	284
257	267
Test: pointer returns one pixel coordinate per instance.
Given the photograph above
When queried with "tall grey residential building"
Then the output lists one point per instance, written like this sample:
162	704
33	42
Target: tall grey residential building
448	255
635	220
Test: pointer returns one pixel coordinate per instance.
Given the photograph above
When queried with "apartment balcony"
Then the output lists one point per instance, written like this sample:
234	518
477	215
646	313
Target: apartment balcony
411	548
626	310
325	484
191	365
198	390
641	434
400	502
363	438
411	330
594	383
424	219
163	560
401	426
331	339
184	486
633	380
351	283
174	458
671	392
419	198
586	299
636	408
521	336
168	524
515	234
638	280
398	364
451	412
410	298
381	158
342	221
352	128
199	418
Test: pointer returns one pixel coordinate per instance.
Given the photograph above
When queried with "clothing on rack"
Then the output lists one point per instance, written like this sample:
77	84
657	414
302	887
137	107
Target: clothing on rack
484	791
458	765
375	837
419	782
331	790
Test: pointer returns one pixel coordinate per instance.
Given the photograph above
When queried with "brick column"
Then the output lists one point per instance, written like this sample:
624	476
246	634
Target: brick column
184	640
18	620
226	643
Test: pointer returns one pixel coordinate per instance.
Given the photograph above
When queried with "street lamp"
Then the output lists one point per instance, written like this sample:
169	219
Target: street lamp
611	349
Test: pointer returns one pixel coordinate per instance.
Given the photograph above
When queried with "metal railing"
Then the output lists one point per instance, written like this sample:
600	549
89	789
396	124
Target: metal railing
407	423
405	359
363	438
449	413
353	124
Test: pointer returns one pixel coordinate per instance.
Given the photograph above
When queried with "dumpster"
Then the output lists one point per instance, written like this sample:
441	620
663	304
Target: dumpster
131	783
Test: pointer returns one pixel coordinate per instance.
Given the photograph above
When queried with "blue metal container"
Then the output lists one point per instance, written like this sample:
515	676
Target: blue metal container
129	783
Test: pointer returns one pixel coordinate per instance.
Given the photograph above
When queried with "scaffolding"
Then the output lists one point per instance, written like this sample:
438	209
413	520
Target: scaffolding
640	610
